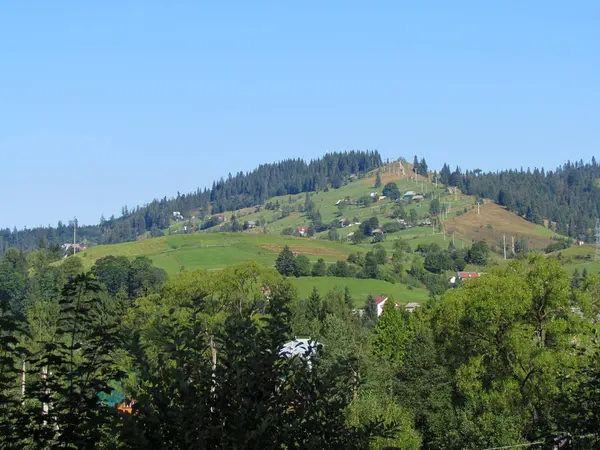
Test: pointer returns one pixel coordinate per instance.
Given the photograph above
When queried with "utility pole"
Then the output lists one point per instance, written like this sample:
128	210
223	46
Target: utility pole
74	234
504	245
597	234
513	245
477	207
453	245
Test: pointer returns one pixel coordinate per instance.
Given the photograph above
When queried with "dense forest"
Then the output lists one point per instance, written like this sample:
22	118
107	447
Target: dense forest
237	191
122	357
569	197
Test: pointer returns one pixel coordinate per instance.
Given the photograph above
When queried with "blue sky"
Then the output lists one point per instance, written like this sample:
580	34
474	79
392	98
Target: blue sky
105	104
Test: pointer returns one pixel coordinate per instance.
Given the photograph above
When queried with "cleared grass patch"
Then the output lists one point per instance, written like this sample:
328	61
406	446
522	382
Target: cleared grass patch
360	289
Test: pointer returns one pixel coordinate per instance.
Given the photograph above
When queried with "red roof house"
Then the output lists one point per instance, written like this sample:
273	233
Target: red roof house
379	302
302	230
468	275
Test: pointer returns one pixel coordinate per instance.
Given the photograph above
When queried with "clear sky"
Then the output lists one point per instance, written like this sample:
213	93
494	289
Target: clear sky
112	103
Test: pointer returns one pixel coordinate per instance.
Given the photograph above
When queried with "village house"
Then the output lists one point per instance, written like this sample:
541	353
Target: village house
461	276
418	197
302	231
343	223
379	302
377	231
409	194
251	224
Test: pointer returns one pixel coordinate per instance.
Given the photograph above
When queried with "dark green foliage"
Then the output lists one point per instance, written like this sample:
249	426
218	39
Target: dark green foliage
435	207
391	190
134	279
341	269
567	196
378	180
302	266
391	227
285	262
238	191
478	254
249	395
319	268
77	365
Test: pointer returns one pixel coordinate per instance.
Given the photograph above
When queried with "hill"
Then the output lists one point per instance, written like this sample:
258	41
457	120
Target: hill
459	217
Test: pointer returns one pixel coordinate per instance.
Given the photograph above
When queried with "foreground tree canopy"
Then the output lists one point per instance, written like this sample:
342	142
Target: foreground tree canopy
506	359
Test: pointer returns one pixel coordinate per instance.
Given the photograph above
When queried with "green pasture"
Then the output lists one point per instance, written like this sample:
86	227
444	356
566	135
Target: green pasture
360	289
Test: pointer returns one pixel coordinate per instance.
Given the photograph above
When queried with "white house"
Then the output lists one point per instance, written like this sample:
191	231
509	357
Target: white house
379	302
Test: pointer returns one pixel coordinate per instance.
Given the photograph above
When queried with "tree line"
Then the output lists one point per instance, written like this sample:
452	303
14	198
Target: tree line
237	191
120	357
567	198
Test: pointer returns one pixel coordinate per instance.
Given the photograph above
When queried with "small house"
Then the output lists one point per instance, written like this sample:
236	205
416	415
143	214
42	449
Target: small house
418	197
383	197
251	224
460	276
411	307
409	194
373	194
302	231
343	223
377	231
379	302
338	202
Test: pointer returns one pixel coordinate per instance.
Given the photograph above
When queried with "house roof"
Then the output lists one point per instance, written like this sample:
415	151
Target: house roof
409	194
302	228
465	275
300	347
412	305
379	300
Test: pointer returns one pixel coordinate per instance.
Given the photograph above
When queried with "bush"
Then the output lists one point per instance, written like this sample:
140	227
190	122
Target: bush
288	232
302	266
391	227
319	269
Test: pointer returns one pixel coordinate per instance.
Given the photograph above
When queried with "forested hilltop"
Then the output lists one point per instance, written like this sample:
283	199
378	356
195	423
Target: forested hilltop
569	197
565	200
291	176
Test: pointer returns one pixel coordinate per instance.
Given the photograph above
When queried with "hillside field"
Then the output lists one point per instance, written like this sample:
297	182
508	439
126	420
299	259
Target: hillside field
213	251
460	221
361	289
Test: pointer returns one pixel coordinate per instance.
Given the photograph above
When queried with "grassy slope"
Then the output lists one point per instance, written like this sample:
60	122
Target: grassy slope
213	251
490	225
579	258
217	250
361	289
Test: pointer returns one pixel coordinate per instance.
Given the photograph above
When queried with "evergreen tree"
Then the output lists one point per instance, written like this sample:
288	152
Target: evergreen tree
319	268
423	167
378	180
285	262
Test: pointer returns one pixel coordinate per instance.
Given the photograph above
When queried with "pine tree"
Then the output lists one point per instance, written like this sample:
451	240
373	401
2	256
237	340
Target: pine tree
285	263
348	298
378	180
